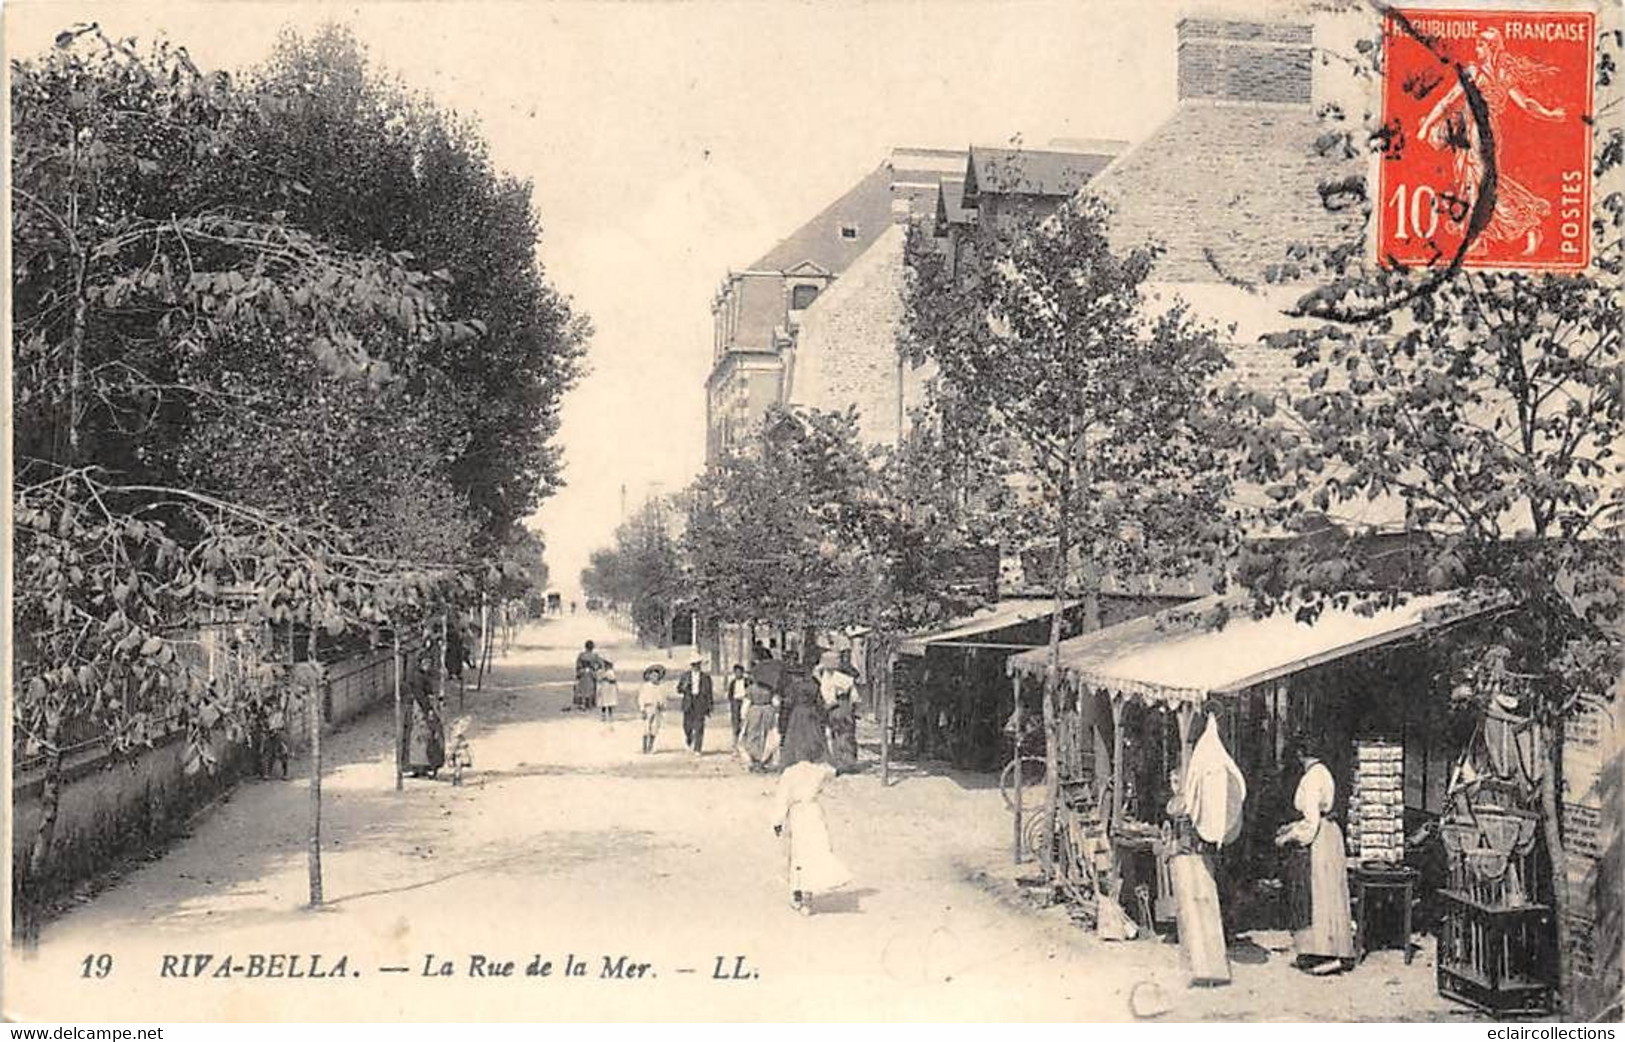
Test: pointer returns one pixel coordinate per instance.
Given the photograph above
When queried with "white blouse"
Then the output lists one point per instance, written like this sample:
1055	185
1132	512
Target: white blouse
1313	800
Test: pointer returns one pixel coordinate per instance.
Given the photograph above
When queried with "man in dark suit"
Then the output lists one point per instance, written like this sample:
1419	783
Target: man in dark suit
695	689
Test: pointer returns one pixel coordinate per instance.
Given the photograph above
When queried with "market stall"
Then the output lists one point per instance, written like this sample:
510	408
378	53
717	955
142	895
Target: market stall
1130	699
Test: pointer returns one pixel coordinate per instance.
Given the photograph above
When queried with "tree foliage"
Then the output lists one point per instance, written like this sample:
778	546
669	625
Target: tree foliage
258	325
642	570
1080	418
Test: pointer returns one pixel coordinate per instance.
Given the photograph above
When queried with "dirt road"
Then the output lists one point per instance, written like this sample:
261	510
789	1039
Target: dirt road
568	847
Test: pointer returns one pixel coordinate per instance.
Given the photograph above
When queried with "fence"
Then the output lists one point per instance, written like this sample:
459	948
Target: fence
112	807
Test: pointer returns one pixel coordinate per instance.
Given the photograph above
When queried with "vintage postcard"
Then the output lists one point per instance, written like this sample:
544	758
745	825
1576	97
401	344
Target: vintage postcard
1084	510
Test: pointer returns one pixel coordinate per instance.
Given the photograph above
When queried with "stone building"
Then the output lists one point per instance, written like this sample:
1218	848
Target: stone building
758	312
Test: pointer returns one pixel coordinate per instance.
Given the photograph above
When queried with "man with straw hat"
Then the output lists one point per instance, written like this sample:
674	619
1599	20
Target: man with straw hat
697	693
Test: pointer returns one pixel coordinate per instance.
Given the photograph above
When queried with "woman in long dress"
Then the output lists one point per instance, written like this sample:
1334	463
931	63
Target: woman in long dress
1321	929
811	866
761	717
840	696
425	737
803	736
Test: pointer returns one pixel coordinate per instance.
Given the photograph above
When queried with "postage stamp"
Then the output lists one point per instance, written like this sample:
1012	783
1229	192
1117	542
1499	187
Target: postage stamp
1487	139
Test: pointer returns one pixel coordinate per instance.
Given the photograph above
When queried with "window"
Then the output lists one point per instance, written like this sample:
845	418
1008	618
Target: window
849	231
802	297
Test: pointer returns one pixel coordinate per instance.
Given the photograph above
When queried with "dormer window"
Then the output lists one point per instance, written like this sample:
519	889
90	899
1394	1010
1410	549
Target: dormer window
849	231
801	297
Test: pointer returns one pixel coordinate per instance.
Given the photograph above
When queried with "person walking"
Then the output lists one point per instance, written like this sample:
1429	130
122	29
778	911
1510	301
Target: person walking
609	693
761	719
811	866
738	695
697	695
588	663
839	692
804	728
652	704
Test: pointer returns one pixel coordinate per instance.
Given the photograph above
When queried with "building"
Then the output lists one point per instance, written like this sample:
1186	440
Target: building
759	312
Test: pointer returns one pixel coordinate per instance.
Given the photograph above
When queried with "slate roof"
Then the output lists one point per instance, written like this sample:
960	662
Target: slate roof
951	205
1226	189
1018	171
865	206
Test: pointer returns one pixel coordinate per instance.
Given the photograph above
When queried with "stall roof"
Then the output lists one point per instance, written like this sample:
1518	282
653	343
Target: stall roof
1009	612
1214	646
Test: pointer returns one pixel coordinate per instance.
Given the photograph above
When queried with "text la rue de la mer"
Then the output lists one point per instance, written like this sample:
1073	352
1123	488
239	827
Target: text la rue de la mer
280	966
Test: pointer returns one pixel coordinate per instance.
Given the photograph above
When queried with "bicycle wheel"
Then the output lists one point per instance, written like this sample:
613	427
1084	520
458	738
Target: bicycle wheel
1033	834
1032	784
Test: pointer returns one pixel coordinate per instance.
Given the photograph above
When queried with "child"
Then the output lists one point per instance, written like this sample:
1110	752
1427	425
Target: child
652	704
810	862
462	754
609	693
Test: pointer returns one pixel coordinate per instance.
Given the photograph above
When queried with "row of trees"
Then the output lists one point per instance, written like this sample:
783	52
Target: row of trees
283	354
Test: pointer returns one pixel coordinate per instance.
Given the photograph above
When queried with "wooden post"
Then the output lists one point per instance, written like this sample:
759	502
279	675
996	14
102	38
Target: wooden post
400	725
1015	841
1183	717
888	703
314	853
1117	762
440	670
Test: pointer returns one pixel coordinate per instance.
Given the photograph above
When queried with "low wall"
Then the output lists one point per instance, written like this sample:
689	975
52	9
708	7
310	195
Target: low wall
111	808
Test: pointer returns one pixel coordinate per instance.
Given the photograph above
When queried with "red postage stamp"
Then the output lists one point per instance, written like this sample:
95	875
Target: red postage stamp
1486	157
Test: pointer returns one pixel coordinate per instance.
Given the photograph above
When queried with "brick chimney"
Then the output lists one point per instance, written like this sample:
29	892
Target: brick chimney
1232	61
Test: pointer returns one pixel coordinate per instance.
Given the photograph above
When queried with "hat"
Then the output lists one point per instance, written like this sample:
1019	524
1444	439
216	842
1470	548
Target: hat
656	671
696	661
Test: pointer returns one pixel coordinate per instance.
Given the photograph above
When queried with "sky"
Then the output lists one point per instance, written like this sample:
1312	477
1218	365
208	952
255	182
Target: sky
671	141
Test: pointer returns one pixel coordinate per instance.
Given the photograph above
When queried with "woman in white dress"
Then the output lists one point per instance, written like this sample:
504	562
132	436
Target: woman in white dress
810	861
1322	931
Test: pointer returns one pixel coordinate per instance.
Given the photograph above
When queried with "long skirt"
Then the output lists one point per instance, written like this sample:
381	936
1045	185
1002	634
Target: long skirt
810	861
425	742
843	736
1201	928
759	720
586	692
1321	926
804	740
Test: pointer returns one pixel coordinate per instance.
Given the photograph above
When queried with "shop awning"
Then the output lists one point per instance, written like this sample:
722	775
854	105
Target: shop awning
1006	613
1213	646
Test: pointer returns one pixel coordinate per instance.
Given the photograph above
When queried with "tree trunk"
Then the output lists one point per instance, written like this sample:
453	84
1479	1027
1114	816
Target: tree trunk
1052	770
314	854
400	723
50	805
1551	811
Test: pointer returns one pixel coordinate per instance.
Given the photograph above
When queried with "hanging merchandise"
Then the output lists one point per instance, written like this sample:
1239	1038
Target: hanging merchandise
1377	804
1214	789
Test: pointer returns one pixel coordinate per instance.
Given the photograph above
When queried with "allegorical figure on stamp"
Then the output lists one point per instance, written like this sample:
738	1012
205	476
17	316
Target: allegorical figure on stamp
1500	78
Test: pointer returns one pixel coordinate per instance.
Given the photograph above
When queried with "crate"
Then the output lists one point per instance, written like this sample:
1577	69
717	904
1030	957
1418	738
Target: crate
1496	960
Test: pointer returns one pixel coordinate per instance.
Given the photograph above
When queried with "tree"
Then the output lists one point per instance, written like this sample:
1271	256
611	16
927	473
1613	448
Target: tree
216	389
790	533
1098	419
388	170
1486	407
642	570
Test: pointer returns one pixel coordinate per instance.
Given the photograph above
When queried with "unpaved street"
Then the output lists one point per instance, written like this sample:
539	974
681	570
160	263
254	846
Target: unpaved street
566	842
